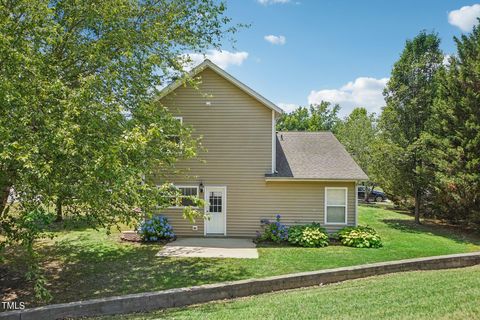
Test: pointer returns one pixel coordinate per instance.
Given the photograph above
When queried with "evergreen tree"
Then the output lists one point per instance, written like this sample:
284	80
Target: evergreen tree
454	138
409	96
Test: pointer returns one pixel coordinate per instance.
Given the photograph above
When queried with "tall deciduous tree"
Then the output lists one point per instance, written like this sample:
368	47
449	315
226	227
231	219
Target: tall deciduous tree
409	96
358	133
318	117
78	119
454	138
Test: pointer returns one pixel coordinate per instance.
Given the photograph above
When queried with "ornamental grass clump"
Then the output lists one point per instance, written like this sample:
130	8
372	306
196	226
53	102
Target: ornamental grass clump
360	237
275	231
309	235
156	229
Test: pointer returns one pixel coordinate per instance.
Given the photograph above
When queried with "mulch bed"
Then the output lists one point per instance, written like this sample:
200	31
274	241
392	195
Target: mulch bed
133	236
130	236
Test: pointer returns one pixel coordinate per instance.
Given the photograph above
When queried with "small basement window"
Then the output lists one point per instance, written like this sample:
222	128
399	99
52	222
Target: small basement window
187	191
335	205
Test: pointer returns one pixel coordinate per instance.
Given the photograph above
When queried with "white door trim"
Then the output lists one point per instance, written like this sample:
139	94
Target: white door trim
205	194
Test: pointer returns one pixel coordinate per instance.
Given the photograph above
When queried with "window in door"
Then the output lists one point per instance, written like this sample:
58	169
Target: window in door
215	201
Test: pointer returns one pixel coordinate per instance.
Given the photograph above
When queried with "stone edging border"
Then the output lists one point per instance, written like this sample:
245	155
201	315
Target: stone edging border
149	301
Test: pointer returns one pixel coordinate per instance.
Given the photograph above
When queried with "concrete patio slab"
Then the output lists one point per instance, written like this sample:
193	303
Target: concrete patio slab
210	248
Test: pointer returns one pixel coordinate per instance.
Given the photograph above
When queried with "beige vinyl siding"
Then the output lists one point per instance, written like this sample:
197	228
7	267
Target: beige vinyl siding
236	133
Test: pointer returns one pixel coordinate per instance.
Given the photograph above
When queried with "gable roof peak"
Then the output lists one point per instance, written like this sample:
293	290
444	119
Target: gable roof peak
206	63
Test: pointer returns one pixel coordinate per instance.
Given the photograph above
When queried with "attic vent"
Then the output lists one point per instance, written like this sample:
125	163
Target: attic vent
208	103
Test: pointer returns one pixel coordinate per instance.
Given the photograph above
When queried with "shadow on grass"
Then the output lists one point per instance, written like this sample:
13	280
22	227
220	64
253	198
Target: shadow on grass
85	267
454	233
74	223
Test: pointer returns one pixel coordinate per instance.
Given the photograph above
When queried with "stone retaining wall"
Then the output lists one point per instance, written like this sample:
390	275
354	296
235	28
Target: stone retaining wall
142	302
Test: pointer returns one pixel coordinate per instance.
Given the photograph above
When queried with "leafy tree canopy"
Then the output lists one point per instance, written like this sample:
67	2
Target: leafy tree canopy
318	117
78	120
357	133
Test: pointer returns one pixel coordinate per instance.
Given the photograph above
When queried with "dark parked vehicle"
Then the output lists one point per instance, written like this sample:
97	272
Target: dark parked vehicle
375	195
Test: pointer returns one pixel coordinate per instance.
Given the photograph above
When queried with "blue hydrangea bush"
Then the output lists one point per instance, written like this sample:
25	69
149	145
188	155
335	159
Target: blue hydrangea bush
156	229
274	231
308	235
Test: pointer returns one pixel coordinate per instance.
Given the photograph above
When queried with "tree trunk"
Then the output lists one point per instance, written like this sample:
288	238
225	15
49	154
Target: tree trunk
5	193
58	210
368	193
417	207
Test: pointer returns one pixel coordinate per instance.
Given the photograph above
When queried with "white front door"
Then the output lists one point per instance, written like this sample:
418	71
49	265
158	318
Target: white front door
216	209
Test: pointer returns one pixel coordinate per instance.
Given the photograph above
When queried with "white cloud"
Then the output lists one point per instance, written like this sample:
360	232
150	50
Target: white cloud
362	92
223	58
465	17
287	107
281	40
267	2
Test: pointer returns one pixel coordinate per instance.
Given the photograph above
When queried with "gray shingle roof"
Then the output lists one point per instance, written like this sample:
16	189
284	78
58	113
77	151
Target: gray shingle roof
314	155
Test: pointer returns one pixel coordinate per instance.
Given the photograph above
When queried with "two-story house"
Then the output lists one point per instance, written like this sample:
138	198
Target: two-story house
247	171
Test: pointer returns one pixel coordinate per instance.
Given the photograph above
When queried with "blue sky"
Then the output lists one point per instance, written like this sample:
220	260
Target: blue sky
341	51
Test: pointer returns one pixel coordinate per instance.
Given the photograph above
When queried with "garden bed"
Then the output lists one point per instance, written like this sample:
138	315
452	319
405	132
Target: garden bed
86	264
130	236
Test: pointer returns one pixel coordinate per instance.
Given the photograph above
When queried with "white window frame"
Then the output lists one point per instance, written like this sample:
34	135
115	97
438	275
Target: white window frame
179	119
340	206
186	186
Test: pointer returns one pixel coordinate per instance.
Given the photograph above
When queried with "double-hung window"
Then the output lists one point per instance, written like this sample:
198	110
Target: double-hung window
186	192
335	205
176	138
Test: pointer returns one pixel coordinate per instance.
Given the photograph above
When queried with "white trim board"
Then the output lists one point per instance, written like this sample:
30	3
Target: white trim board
274	144
356	204
209	64
282	179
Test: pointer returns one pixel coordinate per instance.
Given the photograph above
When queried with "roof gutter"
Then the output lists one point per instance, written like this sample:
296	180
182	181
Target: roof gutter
285	179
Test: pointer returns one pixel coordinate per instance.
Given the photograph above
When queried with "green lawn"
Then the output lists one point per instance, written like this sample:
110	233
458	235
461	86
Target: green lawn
85	264
446	294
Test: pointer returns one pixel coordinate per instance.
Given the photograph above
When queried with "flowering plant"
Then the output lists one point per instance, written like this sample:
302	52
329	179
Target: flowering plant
275	231
155	229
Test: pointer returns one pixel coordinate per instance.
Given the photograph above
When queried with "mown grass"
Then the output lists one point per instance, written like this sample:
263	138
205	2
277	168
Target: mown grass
446	294
84	263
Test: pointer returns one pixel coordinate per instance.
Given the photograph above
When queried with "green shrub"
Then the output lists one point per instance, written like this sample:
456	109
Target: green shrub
310	235
359	237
